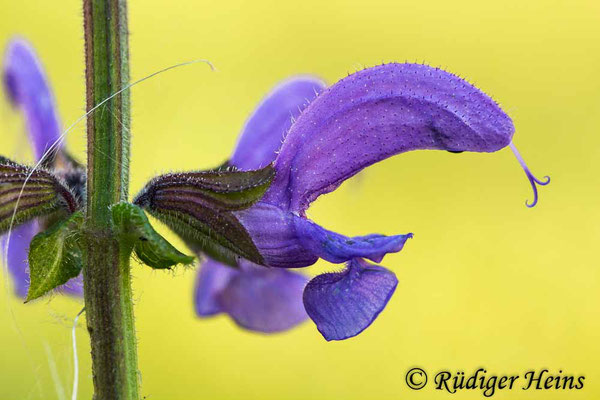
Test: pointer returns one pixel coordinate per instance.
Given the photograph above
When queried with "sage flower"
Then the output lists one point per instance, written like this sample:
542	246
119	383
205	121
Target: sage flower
27	89
256	297
248	217
362	119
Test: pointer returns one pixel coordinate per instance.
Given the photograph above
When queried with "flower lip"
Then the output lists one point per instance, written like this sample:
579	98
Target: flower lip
343	304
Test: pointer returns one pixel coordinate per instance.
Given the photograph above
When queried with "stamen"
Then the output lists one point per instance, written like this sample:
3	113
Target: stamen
532	179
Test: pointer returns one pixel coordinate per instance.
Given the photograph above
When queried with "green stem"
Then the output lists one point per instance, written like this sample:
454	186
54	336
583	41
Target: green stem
106	274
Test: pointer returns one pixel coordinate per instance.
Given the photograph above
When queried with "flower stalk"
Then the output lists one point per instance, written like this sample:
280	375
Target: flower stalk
106	272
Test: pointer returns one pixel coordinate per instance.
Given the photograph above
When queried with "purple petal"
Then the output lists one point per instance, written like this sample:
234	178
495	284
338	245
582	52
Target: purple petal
27	87
264	131
343	304
18	249
337	248
264	299
213	277
374	114
274	234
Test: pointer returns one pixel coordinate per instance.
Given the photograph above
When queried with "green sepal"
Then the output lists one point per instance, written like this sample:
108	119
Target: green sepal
149	246
55	256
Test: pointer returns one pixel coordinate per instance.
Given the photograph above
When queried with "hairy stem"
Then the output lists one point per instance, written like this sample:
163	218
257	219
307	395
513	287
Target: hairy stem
107	286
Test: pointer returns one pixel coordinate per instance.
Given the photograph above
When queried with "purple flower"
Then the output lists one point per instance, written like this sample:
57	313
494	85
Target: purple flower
256	297
27	89
272	299
364	118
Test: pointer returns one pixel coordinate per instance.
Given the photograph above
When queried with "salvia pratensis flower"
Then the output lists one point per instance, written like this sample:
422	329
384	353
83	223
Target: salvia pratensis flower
54	190
248	217
364	118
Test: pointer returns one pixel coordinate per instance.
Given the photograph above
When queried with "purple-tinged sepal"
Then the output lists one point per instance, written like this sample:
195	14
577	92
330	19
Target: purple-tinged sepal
219	189
343	304
26	194
68	170
199	207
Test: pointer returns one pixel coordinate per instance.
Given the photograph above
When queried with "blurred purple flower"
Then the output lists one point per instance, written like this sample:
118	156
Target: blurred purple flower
364	118
27	89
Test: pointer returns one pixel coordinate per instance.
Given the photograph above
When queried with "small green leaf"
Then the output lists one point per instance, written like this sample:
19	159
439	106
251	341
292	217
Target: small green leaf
55	256
150	247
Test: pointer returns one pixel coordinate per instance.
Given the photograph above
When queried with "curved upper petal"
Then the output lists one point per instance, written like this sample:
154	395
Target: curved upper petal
374	114
27	87
264	131
265	299
343	304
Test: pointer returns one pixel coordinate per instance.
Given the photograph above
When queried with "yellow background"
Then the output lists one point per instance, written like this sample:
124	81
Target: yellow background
485	282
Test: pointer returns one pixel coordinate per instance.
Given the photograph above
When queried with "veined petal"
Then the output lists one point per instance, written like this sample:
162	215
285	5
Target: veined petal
265	299
27	87
264	131
337	248
343	304
374	114
212	278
